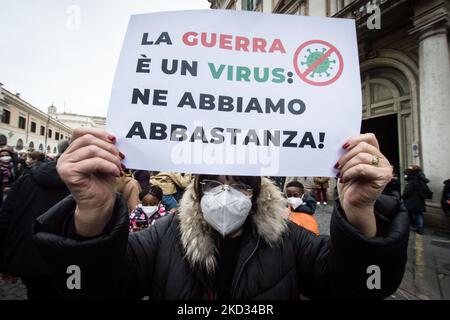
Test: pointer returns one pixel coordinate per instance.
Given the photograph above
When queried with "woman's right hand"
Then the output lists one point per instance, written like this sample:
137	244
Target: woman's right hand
89	168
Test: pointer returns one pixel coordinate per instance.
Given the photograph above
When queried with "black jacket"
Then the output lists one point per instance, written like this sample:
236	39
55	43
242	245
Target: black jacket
416	191
176	258
308	206
34	193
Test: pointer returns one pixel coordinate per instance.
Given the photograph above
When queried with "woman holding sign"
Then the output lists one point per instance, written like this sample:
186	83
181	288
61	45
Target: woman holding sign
232	238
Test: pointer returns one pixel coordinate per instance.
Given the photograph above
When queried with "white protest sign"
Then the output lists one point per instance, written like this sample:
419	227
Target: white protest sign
236	93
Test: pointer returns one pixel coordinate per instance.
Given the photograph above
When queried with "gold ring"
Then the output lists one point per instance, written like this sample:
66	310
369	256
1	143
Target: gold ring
375	160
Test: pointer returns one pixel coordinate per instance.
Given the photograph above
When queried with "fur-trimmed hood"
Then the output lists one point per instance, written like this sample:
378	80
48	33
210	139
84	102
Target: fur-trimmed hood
269	222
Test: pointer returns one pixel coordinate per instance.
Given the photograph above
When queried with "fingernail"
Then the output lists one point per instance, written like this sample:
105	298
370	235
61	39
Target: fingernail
121	155
345	146
111	138
123	166
336	165
121	173
338	174
340	180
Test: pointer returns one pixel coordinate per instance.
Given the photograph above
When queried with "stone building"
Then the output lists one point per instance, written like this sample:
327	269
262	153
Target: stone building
74	120
405	75
25	127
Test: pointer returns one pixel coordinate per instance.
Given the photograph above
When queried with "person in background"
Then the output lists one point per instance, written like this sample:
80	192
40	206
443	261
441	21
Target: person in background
143	177
168	182
10	170
321	184
23	155
414	195
37	190
445	200
130	189
393	187
301	207
33	158
149	210
279	181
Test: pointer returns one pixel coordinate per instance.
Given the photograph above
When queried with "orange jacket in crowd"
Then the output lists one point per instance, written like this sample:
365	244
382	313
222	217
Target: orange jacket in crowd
304	220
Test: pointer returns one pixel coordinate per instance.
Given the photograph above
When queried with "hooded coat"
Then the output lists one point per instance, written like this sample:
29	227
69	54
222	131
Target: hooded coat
177	257
416	191
35	192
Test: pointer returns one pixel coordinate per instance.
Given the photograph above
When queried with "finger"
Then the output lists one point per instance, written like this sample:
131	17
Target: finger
379	176
362	147
369	138
96	165
363	158
93	151
101	134
89	139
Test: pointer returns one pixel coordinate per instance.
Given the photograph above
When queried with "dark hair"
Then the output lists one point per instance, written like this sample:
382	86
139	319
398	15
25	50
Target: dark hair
62	146
36	155
7	149
254	182
412	168
295	184
152	190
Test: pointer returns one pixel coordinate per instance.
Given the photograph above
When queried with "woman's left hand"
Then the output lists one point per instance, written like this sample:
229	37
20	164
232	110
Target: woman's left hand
363	173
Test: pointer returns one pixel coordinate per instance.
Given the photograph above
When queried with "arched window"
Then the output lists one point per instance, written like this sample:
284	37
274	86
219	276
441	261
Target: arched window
48	149
31	146
19	145
3	140
54	149
41	147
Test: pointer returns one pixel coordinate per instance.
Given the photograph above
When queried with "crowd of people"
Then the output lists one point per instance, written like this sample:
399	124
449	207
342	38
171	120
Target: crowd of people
212	218
13	165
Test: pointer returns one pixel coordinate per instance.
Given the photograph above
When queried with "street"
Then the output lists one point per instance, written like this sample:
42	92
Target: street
427	274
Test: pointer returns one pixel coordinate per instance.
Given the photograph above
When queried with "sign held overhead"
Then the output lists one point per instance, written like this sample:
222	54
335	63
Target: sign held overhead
237	93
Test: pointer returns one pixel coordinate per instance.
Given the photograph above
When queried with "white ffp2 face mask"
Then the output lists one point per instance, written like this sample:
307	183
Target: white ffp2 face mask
149	210
295	202
225	211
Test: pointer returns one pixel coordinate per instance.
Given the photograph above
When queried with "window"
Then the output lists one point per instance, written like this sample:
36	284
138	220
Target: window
22	122
3	140
41	147
19	145
54	149
56	135
42	130
33	127
6	116
31	146
252	5
49	133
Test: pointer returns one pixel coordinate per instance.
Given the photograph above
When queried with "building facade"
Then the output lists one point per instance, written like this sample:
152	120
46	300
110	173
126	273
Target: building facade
77	120
405	74
24	127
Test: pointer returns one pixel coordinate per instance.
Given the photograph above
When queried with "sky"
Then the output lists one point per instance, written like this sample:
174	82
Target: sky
65	52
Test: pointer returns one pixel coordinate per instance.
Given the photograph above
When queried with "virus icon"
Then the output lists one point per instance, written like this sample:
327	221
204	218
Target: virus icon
323	67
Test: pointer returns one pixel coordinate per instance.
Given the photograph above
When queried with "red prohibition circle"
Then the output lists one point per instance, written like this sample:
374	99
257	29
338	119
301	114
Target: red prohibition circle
332	48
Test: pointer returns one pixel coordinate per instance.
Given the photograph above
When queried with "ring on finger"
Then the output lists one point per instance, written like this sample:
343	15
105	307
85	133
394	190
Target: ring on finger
375	160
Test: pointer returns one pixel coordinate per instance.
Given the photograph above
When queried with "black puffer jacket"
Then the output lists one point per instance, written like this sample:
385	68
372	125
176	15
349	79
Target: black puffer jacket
416	191
35	192
176	258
